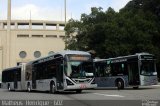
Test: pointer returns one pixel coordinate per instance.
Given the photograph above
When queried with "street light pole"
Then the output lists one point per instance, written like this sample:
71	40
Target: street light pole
65	11
8	37
65	21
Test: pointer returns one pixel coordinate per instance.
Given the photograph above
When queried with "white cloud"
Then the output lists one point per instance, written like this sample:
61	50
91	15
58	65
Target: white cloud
105	4
57	12
37	13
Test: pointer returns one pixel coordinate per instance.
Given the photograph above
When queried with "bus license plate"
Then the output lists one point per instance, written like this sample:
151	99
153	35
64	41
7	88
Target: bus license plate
83	86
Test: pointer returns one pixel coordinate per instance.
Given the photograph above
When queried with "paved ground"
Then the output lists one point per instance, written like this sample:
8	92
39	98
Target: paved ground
108	96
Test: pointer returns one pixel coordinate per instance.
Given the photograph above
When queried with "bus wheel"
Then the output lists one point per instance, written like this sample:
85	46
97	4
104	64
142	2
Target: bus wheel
29	88
52	88
79	91
120	84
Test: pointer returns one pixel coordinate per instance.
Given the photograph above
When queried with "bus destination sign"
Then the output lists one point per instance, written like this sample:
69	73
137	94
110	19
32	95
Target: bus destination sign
79	58
147	57
118	60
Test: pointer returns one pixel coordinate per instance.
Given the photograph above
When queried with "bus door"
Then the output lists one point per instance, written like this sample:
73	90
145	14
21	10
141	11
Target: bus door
34	79
59	78
15	79
133	73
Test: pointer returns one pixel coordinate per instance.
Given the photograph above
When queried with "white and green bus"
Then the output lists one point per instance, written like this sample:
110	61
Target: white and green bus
63	71
133	70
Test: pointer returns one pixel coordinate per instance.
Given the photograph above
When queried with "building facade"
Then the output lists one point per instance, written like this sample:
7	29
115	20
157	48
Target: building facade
30	40
26	40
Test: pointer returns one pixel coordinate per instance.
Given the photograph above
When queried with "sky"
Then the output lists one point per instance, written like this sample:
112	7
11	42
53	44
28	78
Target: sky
54	9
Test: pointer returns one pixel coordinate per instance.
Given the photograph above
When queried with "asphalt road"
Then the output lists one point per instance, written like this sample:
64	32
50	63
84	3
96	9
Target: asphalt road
97	97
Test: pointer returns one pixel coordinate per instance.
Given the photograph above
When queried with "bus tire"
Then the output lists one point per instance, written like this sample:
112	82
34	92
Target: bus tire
52	88
79	91
28	87
120	84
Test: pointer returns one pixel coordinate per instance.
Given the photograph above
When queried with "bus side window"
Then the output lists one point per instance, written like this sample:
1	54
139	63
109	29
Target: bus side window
124	68
108	70
27	75
122	65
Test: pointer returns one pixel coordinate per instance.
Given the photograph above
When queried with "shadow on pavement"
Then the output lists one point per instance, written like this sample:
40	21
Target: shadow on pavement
129	88
47	92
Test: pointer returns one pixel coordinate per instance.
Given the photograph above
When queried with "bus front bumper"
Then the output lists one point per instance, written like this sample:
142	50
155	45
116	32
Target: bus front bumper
148	80
81	86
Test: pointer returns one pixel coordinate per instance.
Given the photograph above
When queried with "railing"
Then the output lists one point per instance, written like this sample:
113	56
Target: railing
33	25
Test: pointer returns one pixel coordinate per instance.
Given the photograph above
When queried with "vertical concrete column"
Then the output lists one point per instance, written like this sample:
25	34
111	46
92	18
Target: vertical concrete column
30	25
44	25
1	25
16	25
65	11
30	28
9	11
57	27
9	16
8	38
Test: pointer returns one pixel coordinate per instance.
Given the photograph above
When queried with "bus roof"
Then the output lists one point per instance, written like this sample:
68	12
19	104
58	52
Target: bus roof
7	69
120	57
63	53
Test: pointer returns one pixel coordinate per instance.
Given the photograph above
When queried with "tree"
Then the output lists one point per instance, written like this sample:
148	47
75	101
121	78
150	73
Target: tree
136	28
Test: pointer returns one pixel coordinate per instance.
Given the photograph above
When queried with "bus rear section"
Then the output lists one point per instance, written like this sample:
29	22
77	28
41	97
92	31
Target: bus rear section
12	78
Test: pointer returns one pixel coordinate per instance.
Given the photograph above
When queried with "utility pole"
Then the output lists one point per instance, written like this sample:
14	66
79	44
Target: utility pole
65	21
65	11
8	37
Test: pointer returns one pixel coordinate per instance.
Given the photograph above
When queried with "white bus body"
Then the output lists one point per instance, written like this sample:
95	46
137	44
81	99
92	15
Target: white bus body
63	71
133	70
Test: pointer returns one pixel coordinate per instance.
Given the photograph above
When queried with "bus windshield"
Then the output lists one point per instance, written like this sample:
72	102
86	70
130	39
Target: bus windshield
148	68
80	69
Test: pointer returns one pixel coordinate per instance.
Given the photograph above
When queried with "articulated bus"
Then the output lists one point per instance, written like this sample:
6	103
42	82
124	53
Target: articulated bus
133	70
63	71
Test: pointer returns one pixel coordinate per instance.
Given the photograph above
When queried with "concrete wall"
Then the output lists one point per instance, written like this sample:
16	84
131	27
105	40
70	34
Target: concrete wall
43	36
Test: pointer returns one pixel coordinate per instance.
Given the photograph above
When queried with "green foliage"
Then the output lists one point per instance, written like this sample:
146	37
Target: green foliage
136	28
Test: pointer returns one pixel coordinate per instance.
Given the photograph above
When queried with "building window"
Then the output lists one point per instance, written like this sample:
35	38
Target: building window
51	26
37	54
37	36
23	25
51	52
22	54
51	36
61	27
22	36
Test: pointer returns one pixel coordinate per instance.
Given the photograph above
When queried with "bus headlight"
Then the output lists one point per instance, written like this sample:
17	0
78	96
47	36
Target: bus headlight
154	73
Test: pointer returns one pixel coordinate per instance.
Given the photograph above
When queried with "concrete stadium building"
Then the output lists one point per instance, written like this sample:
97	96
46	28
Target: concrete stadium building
26	40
